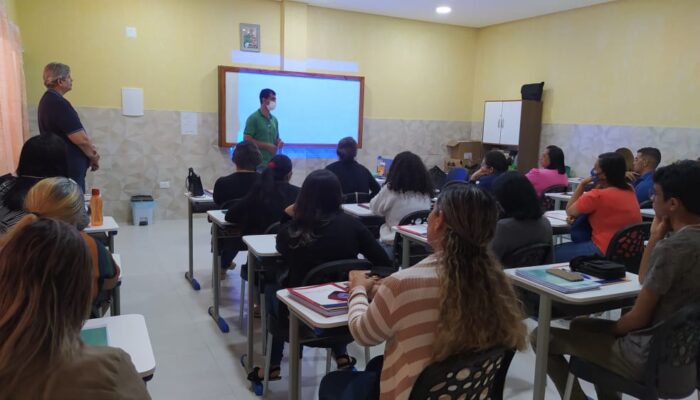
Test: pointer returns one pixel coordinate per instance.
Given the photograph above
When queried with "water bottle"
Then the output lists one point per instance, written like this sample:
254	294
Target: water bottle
95	208
380	166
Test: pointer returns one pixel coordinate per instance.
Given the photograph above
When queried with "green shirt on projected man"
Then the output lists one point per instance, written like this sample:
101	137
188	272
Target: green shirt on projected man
262	127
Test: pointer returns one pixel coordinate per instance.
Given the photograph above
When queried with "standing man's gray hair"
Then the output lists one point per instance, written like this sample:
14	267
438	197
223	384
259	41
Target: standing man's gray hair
53	72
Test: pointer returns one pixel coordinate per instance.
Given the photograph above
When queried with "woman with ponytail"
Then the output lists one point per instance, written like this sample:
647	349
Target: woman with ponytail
44	298
458	300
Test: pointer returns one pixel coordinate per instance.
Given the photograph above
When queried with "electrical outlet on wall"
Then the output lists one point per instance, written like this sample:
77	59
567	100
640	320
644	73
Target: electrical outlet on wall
165	184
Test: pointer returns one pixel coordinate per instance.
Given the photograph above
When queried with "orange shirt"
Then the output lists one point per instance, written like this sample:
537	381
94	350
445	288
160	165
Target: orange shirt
609	210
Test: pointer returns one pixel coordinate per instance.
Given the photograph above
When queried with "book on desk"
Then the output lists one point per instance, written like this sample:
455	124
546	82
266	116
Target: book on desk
420	230
328	299
542	277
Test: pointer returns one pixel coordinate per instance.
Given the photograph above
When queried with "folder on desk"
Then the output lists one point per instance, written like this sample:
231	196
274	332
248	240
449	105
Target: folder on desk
420	230
541	277
323	298
363	205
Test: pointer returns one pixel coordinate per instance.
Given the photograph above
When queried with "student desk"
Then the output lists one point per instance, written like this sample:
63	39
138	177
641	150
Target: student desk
604	298
109	227
559	198
218	219
357	211
196	205
557	219
574	182
298	311
407	238
129	333
647	213
259	247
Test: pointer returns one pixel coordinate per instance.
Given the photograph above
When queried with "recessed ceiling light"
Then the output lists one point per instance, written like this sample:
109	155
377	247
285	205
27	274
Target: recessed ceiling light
443	10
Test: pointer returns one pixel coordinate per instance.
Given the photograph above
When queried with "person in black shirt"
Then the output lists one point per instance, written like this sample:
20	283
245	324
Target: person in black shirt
246	157
229	189
57	116
265	202
319	232
353	176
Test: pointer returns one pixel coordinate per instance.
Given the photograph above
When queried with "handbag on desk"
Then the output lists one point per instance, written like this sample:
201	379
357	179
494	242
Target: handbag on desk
597	266
194	183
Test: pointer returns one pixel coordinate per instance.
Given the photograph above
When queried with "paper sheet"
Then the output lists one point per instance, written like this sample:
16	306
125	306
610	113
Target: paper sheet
188	123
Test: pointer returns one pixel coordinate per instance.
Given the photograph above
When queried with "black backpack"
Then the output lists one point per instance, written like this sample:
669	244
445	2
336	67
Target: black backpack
194	184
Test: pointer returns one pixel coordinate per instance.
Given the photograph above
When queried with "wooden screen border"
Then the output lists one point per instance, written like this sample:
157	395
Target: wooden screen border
222	70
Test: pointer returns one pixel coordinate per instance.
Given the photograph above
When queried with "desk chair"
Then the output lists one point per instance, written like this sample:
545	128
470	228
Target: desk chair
670	371
418	251
278	325
465	376
356	198
547	203
627	245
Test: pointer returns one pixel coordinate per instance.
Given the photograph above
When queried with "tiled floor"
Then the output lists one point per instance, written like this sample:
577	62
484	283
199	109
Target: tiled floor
194	360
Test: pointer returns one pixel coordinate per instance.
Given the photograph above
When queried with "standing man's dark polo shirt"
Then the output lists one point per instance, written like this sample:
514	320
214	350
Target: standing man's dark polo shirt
57	116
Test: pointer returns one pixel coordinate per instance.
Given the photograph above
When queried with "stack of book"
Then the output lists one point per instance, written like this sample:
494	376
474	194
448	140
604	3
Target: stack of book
329	299
542	277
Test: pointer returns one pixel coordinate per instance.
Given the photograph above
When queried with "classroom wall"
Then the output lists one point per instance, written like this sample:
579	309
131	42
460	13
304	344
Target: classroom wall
418	78
625	73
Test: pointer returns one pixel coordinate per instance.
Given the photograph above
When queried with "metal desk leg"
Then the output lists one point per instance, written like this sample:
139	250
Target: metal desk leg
405	252
110	237
294	370
557	204
542	347
250	356
190	274
116	300
215	279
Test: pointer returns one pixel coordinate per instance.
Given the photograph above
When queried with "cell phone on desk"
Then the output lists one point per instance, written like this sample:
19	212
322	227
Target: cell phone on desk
566	275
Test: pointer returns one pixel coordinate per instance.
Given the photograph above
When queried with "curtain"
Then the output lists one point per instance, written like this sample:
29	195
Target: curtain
13	111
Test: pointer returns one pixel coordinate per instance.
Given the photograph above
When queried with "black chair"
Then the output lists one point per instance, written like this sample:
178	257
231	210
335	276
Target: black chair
528	256
278	325
547	203
356	197
418	251
670	371
627	246
465	376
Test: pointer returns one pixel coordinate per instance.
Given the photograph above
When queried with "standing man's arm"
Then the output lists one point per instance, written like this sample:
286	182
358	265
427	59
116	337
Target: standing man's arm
81	139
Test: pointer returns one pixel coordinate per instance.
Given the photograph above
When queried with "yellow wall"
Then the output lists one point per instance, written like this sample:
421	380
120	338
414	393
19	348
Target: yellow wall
634	62
411	68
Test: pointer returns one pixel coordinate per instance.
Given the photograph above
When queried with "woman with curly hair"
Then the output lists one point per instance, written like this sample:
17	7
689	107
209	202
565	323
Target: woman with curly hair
458	300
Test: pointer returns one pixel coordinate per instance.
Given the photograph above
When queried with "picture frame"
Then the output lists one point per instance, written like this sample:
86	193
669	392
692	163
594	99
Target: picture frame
250	37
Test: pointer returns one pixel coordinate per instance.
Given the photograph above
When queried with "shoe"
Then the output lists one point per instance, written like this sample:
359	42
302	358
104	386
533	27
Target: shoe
254	375
345	362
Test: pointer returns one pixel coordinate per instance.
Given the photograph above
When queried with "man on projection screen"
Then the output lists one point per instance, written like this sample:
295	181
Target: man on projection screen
262	128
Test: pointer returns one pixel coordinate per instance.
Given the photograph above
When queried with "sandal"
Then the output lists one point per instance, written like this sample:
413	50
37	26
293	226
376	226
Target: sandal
345	362
254	375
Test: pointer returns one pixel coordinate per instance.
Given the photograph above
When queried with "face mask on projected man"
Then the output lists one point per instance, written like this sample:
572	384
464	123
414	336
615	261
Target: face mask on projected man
271	105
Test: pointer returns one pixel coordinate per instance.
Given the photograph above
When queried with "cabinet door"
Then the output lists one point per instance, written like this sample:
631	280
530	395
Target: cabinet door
492	122
510	125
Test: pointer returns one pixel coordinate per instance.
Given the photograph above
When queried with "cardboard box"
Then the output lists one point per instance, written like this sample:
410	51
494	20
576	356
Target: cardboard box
463	154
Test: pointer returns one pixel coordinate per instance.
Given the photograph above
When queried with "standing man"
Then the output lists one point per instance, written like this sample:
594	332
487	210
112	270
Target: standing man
262	128
645	163
57	116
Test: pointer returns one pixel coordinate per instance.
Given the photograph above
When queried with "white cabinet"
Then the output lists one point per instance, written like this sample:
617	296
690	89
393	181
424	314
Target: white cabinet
514	126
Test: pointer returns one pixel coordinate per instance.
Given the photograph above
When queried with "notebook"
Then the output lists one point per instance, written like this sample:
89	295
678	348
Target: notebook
556	214
363	205
420	230
95	336
541	277
328	299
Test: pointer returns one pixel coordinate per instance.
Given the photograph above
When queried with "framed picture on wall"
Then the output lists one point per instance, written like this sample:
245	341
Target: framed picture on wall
250	37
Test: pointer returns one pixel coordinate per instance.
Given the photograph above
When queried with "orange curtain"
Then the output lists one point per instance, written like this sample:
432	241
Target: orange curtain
13	111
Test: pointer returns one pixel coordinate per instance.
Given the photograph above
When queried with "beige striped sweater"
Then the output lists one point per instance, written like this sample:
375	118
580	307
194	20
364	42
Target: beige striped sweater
404	313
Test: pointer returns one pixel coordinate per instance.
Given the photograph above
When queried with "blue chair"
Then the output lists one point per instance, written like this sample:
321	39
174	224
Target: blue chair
457	174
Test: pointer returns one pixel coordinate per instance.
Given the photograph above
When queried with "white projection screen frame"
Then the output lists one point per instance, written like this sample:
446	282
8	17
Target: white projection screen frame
313	110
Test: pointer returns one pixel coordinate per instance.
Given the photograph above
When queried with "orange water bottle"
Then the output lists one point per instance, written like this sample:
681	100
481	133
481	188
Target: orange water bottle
96	208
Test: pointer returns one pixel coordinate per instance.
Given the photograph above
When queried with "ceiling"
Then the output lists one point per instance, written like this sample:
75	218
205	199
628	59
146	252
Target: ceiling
471	13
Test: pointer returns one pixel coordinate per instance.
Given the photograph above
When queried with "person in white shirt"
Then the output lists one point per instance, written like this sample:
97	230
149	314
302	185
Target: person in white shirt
408	188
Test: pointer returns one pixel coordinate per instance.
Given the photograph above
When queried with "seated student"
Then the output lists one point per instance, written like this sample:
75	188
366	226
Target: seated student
42	156
62	199
318	233
457	300
521	223
353	176
45	284
553	171
266	201
645	163
408	188
629	163
610	206
670	279
492	166
246	157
